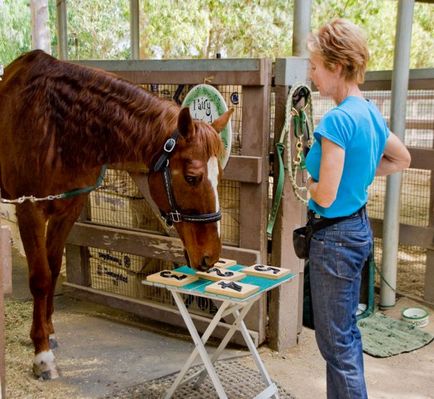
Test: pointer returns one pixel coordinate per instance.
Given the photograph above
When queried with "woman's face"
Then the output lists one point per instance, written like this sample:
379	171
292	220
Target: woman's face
325	80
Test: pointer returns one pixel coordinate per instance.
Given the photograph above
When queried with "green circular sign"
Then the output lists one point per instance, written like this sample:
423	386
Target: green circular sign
207	104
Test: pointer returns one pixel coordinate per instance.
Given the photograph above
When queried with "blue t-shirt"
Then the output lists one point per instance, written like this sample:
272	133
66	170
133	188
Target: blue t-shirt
358	127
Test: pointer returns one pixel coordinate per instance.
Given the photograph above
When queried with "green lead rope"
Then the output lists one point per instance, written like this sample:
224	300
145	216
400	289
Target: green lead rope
280	148
301	130
78	191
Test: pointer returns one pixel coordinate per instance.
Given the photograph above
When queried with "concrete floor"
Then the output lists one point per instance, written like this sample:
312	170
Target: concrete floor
102	350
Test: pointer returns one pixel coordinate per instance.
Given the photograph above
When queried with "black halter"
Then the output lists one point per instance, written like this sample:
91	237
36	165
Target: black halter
175	216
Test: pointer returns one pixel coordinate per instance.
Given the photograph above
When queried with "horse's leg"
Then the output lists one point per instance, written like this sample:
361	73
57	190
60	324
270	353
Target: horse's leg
58	229
31	221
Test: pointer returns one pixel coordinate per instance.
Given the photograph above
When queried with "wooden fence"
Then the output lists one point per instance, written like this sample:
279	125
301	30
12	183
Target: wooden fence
249	168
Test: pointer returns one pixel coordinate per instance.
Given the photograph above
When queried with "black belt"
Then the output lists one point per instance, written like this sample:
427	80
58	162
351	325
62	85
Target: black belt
314	218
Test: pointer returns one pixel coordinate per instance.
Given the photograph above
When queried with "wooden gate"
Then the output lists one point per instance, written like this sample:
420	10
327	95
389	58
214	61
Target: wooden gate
97	249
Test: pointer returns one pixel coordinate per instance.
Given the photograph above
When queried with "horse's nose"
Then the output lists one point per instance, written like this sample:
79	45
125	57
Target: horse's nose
206	263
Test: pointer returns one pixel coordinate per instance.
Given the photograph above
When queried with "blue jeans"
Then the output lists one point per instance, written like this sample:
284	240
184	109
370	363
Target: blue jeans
337	256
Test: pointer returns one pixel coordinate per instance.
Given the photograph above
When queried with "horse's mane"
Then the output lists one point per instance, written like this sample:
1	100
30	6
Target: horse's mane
92	113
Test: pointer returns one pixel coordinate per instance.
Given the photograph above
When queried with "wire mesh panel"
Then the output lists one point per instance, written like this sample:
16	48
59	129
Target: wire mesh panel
233	96
410	278
416	190
229	198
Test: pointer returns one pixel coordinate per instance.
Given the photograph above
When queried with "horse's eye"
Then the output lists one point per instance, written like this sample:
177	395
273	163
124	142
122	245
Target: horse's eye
192	180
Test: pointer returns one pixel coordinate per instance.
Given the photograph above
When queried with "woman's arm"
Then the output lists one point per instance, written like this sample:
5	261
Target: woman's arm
330	173
395	158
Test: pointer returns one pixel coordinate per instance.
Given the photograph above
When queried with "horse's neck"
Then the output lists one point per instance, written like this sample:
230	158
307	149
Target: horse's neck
107	120
141	129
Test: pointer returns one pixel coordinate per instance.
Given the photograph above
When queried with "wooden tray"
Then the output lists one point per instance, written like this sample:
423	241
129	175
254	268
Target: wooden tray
218	273
244	291
222	262
266	271
169	277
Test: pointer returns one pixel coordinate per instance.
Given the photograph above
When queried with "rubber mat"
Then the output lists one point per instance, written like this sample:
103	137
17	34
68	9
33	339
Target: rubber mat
239	382
384	337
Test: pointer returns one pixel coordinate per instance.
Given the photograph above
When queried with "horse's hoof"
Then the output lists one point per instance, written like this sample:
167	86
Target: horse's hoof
52	342
44	366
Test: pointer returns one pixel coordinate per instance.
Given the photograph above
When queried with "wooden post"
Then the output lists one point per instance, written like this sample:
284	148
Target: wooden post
254	197
286	307
429	271
5	288
77	257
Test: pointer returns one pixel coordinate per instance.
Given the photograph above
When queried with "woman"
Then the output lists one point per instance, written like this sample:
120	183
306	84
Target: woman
352	144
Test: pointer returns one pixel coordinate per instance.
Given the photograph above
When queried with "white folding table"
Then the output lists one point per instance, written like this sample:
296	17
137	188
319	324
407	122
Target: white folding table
236	307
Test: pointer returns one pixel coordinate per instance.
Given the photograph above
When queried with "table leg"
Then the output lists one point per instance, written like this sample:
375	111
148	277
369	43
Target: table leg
233	329
259	364
199	347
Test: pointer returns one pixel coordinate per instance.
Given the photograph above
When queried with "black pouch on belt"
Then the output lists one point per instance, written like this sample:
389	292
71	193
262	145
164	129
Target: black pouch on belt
301	237
301	240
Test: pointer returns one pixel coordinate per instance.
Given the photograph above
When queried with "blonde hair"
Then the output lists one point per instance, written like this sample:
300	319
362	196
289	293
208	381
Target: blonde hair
341	42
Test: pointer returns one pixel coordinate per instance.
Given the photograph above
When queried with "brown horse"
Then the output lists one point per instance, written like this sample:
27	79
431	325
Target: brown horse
59	124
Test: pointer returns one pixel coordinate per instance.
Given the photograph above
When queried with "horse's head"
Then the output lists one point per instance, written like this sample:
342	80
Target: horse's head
183	183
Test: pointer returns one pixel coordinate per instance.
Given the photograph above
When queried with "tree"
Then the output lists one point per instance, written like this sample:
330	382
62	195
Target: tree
99	29
14	29
378	19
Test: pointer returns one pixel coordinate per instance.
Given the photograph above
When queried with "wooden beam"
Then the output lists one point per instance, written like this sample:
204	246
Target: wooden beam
137	243
422	158
420	79
246	72
245	169
131	241
408	235
241	168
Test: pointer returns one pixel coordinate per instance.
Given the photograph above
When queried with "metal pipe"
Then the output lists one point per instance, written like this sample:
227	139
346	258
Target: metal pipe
400	75
134	29
301	27
62	30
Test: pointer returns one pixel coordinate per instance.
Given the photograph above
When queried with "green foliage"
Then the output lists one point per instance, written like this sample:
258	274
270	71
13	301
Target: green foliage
15	28
203	28
99	29
378	19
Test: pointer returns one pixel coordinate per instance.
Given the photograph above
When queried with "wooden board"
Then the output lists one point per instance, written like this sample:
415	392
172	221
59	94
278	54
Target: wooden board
222	262
218	273
266	271
245	289
169	277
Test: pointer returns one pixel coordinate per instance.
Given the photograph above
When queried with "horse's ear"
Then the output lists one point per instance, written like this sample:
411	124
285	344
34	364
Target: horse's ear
220	123
185	123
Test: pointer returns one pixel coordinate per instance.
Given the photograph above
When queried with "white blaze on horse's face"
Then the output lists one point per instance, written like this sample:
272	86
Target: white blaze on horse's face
213	177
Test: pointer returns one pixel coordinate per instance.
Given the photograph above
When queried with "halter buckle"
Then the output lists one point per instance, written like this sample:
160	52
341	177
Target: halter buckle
175	217
169	145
